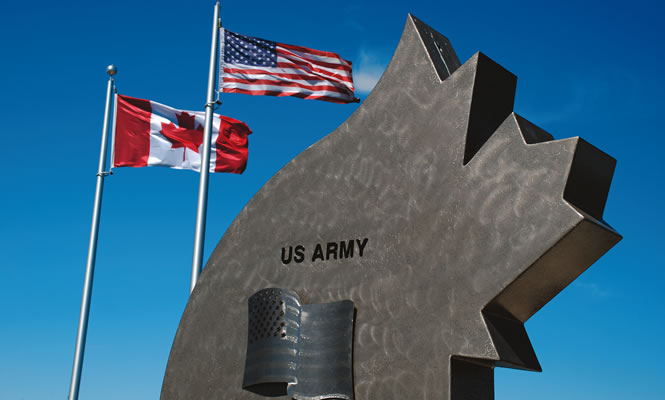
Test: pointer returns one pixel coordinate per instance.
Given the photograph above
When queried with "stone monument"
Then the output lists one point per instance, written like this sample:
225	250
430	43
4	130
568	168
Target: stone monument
422	234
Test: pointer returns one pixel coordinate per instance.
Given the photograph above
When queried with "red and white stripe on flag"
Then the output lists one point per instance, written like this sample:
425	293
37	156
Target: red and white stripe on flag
148	133
255	66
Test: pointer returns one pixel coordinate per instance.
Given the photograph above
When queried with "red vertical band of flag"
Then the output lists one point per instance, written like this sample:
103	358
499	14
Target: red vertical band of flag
231	146
132	132
148	133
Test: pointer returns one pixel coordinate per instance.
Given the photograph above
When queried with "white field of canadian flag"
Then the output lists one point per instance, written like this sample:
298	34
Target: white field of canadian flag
147	133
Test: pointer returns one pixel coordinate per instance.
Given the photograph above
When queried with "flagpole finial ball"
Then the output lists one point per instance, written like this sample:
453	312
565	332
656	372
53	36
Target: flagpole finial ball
111	70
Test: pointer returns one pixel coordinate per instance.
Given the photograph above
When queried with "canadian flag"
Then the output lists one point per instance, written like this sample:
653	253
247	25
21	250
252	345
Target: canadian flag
148	133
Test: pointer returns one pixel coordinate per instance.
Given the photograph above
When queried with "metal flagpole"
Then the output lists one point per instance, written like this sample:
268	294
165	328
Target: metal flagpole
199	236
92	248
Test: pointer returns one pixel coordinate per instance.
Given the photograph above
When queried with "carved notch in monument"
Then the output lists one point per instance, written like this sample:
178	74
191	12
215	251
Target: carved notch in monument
511	342
304	351
471	379
589	179
531	133
439	49
492	102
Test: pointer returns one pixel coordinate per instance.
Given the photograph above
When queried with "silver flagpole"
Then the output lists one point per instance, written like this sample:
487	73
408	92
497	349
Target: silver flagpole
92	248
199	236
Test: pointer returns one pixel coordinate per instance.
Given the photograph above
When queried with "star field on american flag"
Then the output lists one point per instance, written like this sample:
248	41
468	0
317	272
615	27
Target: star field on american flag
241	49
256	66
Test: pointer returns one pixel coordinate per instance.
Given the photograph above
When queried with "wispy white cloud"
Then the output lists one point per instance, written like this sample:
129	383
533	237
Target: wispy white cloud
593	289
367	70
365	79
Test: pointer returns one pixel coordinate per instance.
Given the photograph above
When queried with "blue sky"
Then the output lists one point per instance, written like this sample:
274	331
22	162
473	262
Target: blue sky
591	69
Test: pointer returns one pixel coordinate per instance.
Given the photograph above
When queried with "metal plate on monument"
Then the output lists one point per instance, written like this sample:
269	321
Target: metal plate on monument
447	221
303	350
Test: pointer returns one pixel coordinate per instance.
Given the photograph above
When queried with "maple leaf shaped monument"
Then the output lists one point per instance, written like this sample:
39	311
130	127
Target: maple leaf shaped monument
474	217
185	135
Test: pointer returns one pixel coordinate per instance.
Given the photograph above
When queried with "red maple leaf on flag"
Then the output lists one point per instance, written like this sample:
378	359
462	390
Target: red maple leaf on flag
185	135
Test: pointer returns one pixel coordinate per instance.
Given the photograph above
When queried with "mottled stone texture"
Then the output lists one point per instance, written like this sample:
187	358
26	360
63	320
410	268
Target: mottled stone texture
475	219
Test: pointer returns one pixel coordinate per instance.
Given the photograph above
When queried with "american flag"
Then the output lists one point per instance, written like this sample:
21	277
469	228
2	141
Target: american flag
256	66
